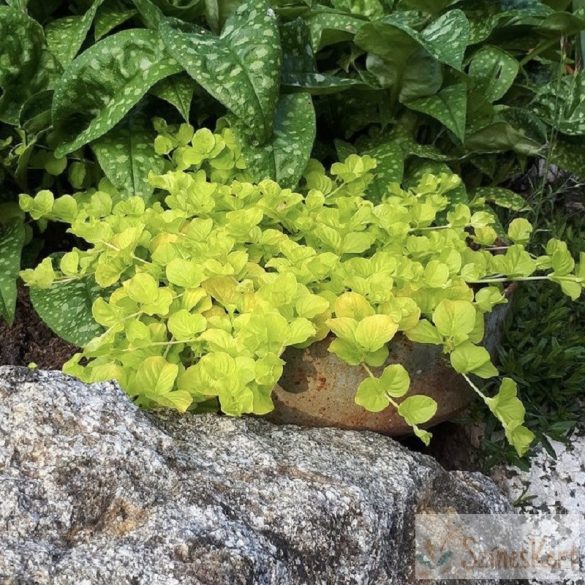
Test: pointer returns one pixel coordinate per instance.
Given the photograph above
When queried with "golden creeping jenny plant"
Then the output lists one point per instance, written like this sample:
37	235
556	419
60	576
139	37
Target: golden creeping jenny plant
204	289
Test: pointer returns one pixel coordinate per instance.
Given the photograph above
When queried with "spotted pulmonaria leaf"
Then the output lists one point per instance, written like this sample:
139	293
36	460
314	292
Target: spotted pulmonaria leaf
178	91
330	26
66	309
285	156
502	198
390	169
299	70
445	38
11	242
493	71
449	106
240	68
66	35
26	66
103	83
110	15
126	155
569	157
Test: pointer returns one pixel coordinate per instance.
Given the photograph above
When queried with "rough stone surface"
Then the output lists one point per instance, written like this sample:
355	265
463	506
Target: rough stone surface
551	485
94	491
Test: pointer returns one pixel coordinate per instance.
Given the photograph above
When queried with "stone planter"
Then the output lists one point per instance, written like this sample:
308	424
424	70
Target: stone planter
318	389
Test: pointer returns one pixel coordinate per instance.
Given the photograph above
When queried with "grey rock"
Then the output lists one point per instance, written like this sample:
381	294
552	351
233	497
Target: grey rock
94	491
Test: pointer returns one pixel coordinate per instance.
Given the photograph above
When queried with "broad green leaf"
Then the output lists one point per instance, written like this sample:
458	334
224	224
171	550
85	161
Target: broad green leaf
101	85
27	66
372	395
240	68
66	309
375	331
110	15
395	380
285	155
506	404
178	91
445	38
126	155
66	35
449	106
417	409
454	318
493	71
468	358
11	241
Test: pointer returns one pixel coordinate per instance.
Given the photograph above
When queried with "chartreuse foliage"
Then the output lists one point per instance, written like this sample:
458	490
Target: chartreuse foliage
204	289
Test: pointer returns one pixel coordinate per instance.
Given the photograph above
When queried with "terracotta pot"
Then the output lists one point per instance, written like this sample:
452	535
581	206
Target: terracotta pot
318	389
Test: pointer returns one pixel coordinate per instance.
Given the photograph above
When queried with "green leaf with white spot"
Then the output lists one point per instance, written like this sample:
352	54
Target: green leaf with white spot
329	26
11	242
27	67
449	107
178	91
285	156
240	68
389	169
66	35
502	198
126	155
444	38
101	85
66	309
110	15
493	71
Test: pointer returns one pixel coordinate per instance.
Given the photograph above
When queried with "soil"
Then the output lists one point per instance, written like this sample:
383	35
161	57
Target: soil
28	339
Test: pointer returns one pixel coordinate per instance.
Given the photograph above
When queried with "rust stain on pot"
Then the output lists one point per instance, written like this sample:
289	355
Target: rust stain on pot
318	389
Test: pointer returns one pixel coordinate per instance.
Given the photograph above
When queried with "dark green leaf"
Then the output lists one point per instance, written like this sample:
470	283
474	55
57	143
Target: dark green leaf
11	242
299	70
499	137
329	26
285	156
445	38
240	68
27	66
104	83
449	106
493	71
569	157
390	169
126	155
502	198
66	309
66	35
178	91
110	15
